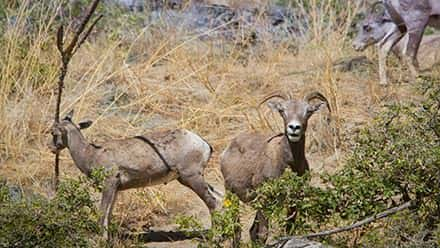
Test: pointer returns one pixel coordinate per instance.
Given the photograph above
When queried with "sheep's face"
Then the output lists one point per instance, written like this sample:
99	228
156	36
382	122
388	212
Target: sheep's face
60	132
59	137
376	26
372	31
295	114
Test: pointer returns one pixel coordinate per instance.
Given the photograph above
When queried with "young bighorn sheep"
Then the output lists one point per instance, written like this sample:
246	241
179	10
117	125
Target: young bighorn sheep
146	160
252	158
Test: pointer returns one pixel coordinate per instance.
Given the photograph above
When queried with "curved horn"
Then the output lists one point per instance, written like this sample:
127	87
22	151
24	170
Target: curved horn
273	95
316	95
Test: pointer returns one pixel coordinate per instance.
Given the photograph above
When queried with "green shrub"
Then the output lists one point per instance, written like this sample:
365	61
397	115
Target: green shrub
67	220
394	160
290	190
224	223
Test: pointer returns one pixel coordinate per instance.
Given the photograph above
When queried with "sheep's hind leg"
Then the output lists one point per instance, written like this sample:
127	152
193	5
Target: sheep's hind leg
415	34
107	202
197	183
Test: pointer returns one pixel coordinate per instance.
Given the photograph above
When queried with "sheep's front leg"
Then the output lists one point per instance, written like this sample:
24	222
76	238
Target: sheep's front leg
260	228
291	217
108	199
410	55
383	54
383	51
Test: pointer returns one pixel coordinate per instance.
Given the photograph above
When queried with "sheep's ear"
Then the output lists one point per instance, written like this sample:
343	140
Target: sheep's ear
315	107
69	116
276	106
85	124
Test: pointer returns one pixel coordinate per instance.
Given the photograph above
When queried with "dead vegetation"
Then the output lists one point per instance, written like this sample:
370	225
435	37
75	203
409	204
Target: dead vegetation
209	87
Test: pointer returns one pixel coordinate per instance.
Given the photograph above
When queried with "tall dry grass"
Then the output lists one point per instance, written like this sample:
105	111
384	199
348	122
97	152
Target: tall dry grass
155	78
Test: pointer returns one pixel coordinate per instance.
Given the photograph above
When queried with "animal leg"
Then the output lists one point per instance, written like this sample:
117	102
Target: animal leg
414	38
384	50
107	202
259	230
197	183
291	217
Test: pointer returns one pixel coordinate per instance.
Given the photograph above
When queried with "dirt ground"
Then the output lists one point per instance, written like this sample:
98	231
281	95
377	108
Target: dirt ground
209	87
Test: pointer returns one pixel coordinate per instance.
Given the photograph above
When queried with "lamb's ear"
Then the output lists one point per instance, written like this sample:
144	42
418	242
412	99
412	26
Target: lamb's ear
69	116
85	124
276	106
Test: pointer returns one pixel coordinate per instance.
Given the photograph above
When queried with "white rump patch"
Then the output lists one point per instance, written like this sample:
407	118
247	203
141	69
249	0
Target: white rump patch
195	142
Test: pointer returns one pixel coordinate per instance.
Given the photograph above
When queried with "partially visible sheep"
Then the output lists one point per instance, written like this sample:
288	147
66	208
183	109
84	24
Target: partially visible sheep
252	158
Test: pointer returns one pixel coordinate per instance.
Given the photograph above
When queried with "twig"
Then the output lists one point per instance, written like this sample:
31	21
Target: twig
66	56
381	215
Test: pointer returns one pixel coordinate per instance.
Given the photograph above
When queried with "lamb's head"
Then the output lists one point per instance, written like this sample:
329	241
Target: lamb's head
296	113
60	132
375	27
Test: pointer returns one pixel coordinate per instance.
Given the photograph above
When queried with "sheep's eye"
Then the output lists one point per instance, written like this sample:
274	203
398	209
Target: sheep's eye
282	112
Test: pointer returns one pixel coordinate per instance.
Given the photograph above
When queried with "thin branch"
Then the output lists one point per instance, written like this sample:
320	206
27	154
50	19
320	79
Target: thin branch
60	39
87	33
66	55
281	242
81	27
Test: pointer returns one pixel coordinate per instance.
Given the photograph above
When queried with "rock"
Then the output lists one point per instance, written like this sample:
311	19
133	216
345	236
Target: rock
15	193
301	243
132	5
352	64
222	21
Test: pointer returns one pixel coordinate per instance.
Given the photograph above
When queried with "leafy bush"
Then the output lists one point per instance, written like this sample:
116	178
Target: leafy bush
394	160
224	223
68	220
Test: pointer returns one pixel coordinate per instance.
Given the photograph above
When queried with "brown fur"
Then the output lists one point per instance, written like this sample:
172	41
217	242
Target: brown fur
132	162
253	158
264	160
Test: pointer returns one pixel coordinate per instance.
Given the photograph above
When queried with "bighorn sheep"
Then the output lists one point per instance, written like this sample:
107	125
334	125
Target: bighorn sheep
388	26
252	158
146	160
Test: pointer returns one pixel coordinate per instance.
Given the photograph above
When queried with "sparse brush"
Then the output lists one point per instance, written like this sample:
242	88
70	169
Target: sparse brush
132	79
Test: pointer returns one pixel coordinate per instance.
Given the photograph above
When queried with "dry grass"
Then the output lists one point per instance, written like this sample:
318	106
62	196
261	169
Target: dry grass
210	87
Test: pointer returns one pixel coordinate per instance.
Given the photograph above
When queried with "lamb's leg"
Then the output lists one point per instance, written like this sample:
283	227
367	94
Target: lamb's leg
259	230
108	199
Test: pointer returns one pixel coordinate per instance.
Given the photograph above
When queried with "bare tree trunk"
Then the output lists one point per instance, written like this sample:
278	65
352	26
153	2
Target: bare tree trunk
78	39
